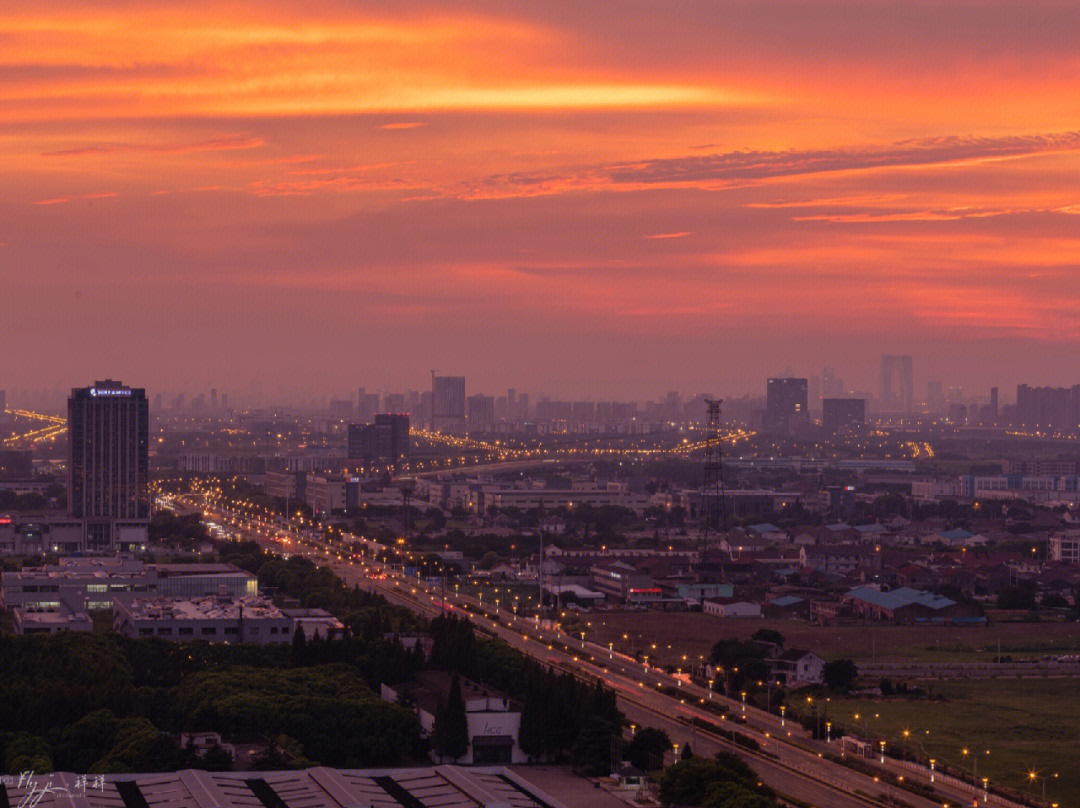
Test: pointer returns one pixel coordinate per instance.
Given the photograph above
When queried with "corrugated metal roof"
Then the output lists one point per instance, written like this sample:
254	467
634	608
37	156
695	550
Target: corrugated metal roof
431	787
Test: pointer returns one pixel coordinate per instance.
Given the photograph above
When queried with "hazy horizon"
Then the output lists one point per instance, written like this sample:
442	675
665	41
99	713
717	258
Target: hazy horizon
598	201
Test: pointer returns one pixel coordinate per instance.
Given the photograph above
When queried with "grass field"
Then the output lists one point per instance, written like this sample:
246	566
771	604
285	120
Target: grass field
1027	725
694	633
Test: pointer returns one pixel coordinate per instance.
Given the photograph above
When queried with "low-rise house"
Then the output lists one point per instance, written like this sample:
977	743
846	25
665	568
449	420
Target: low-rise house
213	618
493	719
906	605
769	532
840	558
730	607
629	777
786	606
622	583
796	667
316	623
37	620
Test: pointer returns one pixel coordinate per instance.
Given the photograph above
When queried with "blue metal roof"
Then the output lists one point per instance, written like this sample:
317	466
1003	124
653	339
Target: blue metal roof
898	598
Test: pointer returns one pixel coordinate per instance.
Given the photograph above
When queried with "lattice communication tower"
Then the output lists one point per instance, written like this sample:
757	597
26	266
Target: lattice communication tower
713	506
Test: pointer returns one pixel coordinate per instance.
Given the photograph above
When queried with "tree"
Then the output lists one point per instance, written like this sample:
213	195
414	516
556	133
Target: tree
26	752
725	782
490	559
647	748
1053	600
840	674
215	759
87	740
593	748
1018	597
299	647
450	730
768	635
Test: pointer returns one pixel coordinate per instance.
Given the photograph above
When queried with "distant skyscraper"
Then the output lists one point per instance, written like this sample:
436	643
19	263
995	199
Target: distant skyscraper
341	409
481	412
837	413
3	402
367	404
385	442
448	403
897	384
831	387
108	464
397	425
1048	407
935	397
786	409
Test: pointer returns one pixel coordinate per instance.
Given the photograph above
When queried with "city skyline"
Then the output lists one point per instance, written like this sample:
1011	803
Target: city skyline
614	201
928	395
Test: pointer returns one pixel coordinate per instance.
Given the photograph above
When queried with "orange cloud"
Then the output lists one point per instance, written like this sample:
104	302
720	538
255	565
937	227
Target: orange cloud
62	199
222	144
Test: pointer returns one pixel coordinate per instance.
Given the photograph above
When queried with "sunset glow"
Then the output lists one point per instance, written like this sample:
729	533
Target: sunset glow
381	188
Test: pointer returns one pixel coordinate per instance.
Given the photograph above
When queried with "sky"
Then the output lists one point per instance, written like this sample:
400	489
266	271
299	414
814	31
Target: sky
592	199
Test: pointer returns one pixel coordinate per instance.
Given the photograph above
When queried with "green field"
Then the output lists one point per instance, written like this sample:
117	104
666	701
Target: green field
1026	724
694	633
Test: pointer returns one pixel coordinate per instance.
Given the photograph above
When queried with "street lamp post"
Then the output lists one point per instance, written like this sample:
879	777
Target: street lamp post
883	752
783	709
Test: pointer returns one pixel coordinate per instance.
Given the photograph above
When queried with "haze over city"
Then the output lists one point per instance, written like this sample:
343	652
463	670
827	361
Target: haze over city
596	200
539	404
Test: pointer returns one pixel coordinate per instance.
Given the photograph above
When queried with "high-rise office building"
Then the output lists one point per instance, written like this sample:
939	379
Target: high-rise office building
108	464
367	404
786	406
935	397
481	413
341	409
838	413
831	386
897	384
385	442
448	404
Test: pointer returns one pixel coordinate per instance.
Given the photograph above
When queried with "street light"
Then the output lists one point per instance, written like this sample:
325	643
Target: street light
783	709
883	752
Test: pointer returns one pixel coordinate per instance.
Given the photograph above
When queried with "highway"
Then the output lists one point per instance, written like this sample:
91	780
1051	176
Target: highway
789	761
